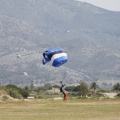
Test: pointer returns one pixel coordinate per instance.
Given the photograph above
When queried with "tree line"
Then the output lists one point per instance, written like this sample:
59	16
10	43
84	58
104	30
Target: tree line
84	89
80	90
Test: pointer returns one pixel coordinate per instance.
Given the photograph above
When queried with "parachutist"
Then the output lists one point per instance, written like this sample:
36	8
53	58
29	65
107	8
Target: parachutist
58	57
62	89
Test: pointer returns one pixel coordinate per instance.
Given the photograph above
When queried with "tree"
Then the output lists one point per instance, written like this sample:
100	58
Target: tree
76	88
47	86
32	85
17	92
39	89
83	88
26	88
56	86
94	86
116	87
24	93
70	88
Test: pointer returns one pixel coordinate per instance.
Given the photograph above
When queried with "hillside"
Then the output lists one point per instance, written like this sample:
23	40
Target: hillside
90	35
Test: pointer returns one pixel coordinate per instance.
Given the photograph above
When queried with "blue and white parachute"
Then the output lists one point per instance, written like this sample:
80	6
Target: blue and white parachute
57	57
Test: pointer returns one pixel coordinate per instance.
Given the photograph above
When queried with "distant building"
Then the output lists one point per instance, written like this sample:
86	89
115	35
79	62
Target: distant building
54	90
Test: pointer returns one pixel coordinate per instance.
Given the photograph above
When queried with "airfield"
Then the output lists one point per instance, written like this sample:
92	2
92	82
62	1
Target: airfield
50	109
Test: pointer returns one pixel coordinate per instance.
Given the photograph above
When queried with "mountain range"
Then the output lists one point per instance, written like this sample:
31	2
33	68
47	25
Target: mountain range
90	35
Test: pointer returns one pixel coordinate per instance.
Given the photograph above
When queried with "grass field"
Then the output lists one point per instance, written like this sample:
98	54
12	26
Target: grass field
74	109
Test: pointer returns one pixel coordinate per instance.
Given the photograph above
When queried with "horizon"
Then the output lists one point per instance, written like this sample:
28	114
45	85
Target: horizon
112	5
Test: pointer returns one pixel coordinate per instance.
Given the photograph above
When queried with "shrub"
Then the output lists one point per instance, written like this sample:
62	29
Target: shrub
83	89
17	92
5	97
118	94
13	93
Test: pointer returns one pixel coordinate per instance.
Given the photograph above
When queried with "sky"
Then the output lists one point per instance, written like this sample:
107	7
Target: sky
113	5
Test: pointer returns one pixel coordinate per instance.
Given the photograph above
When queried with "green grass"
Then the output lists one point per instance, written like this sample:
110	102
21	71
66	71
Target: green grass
74	109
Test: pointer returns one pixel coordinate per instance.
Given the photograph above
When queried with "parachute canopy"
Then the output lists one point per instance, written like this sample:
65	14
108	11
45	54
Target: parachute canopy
57	57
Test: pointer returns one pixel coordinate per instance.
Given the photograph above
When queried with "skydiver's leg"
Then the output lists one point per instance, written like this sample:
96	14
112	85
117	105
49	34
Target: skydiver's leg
65	96
64	93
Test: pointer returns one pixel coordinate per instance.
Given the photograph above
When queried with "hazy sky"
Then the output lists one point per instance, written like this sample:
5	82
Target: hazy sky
107	4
